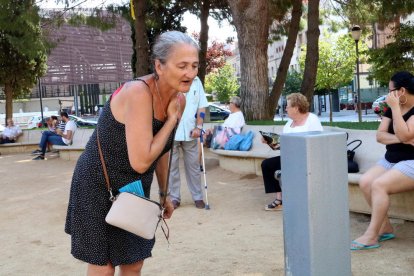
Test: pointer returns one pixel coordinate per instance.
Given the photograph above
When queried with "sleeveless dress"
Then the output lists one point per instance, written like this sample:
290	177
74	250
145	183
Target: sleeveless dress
93	240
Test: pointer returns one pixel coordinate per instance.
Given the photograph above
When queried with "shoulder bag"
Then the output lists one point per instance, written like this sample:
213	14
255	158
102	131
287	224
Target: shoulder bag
352	164
133	213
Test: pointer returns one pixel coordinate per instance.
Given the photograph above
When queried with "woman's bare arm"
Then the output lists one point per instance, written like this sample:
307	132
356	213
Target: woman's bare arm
134	108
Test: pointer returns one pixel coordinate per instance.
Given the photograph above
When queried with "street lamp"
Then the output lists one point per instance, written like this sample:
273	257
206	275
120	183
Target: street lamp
356	34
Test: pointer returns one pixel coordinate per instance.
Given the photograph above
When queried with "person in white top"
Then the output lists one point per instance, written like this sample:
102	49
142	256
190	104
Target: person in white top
235	121
10	133
300	120
62	138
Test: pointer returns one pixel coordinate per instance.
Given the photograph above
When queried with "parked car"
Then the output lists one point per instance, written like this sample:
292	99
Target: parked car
377	102
34	122
218	113
82	122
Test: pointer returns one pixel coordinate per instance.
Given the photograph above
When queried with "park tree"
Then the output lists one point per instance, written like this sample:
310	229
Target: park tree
252	20
22	49
223	83
293	82
291	28
312	52
216	56
336	64
378	14
395	56
153	17
217	9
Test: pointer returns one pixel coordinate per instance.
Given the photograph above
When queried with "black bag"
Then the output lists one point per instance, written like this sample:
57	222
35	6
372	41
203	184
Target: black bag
352	165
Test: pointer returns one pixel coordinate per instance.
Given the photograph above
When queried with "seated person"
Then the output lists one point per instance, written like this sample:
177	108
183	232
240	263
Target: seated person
62	138
395	172
52	123
300	120
234	121
10	133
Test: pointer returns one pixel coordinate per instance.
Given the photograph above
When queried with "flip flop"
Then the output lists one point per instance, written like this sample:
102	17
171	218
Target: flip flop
359	246
386	237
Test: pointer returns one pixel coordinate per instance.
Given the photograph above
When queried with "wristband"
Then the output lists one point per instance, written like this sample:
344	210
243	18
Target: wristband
163	194
200	126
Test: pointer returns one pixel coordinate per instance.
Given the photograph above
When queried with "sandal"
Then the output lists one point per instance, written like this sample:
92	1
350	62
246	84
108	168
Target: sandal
276	205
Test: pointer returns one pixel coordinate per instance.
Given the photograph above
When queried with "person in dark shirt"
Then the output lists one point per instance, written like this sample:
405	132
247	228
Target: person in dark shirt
395	172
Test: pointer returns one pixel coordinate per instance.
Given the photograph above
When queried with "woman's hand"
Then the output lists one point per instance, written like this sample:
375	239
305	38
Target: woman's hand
168	208
275	146
393	100
176	107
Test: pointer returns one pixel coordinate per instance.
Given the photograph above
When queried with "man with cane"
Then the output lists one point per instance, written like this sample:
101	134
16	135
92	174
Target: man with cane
188	131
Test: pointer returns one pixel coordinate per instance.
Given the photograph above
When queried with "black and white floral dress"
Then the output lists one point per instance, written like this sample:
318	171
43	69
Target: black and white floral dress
93	240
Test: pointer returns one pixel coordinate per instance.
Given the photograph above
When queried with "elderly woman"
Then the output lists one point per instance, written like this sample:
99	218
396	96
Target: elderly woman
395	172
235	120
135	134
300	120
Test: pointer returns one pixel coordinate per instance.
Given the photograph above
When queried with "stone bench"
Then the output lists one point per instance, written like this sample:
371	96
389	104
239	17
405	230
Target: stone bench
249	162
27	142
80	139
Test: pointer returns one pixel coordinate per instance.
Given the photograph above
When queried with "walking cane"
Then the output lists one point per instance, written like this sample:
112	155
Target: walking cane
204	165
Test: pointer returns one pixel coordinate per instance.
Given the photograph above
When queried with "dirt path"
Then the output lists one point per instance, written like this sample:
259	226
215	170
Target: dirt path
235	237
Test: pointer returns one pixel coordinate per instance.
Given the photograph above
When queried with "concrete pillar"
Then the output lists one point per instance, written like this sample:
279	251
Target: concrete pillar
315	204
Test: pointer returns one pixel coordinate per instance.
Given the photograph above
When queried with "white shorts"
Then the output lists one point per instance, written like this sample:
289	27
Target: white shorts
406	167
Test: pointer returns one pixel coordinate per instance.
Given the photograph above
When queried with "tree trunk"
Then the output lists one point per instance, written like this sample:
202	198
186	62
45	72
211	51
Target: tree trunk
330	107
141	39
312	52
251	19
286	58
8	92
205	11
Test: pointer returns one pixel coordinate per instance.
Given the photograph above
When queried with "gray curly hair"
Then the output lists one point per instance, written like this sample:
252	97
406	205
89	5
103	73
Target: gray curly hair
166	41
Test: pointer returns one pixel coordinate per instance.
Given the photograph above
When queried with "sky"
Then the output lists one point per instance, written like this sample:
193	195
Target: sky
216	32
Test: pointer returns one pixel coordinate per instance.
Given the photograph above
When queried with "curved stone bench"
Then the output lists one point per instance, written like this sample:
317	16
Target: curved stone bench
27	142
80	139
249	162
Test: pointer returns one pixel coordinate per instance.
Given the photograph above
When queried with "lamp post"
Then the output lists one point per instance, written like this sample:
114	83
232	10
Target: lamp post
356	34
40	96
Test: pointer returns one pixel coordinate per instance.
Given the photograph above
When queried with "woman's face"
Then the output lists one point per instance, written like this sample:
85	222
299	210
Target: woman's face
392	89
232	107
290	110
180	68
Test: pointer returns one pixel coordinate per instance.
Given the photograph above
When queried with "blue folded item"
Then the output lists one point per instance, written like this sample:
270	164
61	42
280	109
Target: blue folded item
133	188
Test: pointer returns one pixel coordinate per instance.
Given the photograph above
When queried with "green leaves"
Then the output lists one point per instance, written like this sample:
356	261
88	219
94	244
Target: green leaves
337	61
22	48
395	56
223	83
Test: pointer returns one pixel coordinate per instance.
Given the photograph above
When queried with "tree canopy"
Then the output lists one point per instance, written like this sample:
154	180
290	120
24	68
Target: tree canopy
22	49
223	83
395	56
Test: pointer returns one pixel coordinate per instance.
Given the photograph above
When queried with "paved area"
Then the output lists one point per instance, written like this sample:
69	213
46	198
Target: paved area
235	237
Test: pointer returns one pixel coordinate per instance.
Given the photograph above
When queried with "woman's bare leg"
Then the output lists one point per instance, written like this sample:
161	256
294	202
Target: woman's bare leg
391	182
365	185
100	270
131	269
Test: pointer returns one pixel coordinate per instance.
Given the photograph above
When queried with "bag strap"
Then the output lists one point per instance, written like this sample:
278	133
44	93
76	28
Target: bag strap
108	185
163	195
355	141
